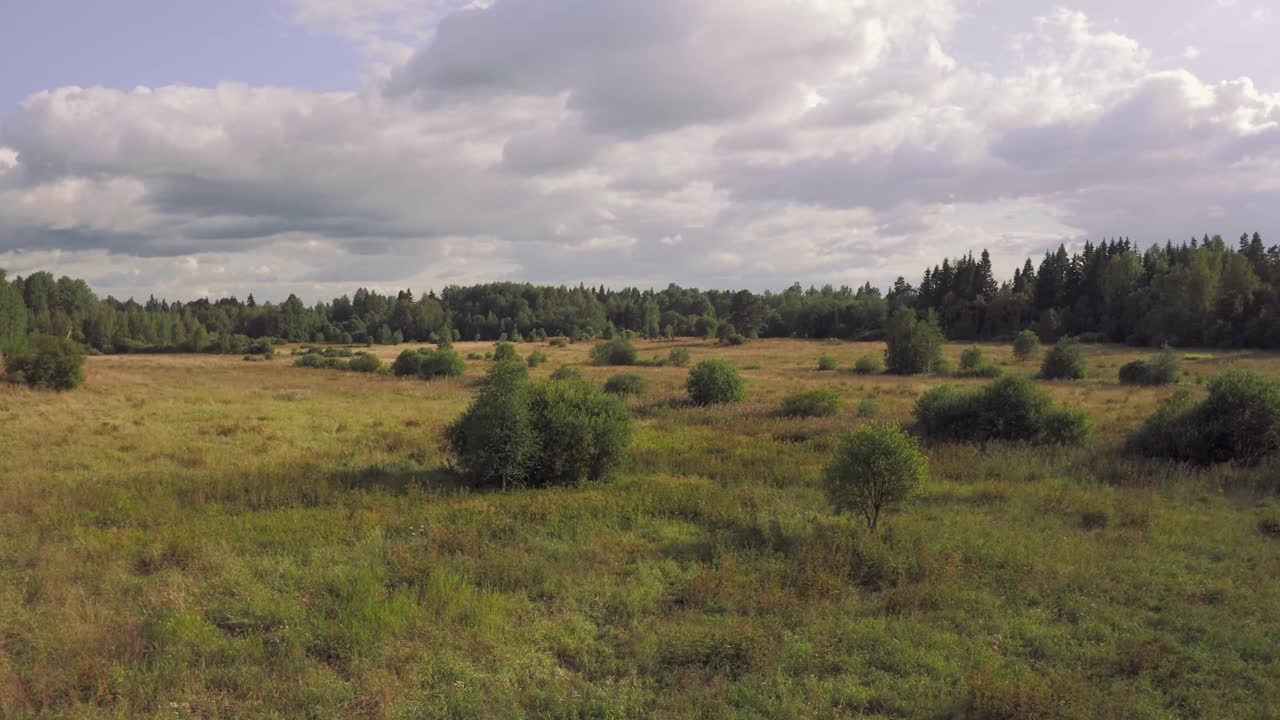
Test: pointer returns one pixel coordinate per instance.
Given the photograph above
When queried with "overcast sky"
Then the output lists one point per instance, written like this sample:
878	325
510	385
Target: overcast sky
188	148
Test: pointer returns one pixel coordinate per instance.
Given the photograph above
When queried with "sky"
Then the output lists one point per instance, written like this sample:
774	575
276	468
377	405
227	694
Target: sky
187	149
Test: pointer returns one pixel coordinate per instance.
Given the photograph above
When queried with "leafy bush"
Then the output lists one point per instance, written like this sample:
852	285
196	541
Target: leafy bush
867	407
826	362
444	361
875	466
869	365
536	358
626	384
914	345
971	359
474	356
679	357
559	341
494	442
1163	369
973	364
1011	409
407	363
583	432
505	351
1064	362
736	339
566	372
819	402
613	352
715	381
1238	422
1026	345
364	362
51	362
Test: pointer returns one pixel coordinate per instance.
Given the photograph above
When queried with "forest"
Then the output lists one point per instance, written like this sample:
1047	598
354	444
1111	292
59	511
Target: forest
1201	293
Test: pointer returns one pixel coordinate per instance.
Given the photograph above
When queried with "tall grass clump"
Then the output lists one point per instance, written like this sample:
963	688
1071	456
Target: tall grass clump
876	466
1026	345
713	382
1011	409
1238	422
1064	362
818	402
1163	369
613	352
52	362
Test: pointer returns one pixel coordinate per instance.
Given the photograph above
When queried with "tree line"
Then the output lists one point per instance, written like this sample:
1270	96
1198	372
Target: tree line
1204	292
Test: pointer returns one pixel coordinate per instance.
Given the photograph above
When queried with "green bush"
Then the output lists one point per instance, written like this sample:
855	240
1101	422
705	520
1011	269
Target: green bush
559	341
1026	345
715	381
818	402
583	432
973	364
626	384
869	365
364	362
736	339
1011	409
536	358
566	372
826	362
1238	422
407	363
444	361
876	466
1064	362
679	357
494	442
504	352
914	345
51	362
613	352
1163	369
971	359
867	407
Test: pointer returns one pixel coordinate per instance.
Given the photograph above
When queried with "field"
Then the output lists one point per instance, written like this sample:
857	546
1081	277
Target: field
198	536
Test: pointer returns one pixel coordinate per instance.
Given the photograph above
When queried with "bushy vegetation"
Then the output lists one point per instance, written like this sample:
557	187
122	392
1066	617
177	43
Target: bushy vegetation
536	358
826	362
1238	422
553	433
51	362
429	363
505	352
914	345
613	352
714	382
1163	369
1064	362
875	467
974	364
1026	345
566	372
559	341
626	384
678	357
342	359
817	402
1010	409
869	365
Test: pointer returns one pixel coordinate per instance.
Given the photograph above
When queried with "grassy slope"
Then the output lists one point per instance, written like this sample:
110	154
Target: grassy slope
203	537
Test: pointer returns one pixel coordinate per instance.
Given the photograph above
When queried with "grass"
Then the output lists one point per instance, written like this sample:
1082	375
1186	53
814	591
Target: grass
196	536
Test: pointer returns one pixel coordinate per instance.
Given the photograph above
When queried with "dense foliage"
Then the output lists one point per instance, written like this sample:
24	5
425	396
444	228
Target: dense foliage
914	345
1064	362
51	362
614	352
875	466
1200	293
626	384
1011	408
1238	422
713	382
1163	369
1026	345
429	363
816	402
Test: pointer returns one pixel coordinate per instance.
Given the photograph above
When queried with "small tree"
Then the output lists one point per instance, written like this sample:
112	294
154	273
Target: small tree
408	363
914	345
504	351
715	381
1026	345
583	432
52	362
1064	362
971	359
876	466
494	441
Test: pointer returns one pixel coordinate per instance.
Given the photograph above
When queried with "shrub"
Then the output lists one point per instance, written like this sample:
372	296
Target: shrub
736	339
715	381
705	327
1011	409
914	345
819	402
494	442
1026	345
566	372
867	407
826	362
441	362
1163	369
679	357
505	351
474	356
559	341
536	358
973	364
407	363
626	384
875	466
613	352
51	362
364	362
583	432
971	359
1064	362
1238	422
869	365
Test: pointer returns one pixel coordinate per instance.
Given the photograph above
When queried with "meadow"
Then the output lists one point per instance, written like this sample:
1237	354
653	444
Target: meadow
198	536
